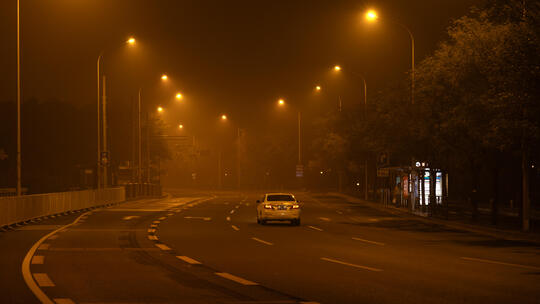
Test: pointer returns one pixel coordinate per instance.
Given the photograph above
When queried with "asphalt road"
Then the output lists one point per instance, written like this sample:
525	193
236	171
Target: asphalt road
208	248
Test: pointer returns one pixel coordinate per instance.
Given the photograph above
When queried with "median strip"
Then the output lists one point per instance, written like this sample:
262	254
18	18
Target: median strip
236	279
351	265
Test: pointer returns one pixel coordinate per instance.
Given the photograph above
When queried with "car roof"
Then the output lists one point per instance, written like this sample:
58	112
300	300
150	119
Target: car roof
279	193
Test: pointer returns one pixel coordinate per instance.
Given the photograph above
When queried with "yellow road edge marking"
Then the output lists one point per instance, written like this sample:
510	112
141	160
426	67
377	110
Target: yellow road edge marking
43	280
25	267
188	260
235	228
501	263
261	241
38	260
351	265
236	279
368	241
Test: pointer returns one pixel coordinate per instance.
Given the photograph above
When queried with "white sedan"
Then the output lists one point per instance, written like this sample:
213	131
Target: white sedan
278	207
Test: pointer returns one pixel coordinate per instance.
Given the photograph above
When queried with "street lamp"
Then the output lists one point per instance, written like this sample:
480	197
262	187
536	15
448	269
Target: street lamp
180	126
178	96
371	16
164	77
365	108
223	117
130	41
160	109
337	68
281	103
318	88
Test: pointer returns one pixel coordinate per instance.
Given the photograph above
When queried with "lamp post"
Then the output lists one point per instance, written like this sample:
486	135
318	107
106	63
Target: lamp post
281	103
337	68
238	155
130	41
372	16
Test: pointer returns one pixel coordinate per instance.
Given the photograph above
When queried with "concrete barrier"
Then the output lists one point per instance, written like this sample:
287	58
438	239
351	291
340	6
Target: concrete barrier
16	209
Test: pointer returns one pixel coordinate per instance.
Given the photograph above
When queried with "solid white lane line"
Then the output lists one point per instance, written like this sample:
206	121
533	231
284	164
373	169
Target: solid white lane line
235	278
37	259
188	260
235	228
232	211
63	301
368	241
351	265
325	219
151	230
152	238
261	241
43	280
162	247
501	263
44	246
228	218
162	218
315	228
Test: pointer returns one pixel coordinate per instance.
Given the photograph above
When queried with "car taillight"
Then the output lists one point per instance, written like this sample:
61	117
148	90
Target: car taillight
267	206
296	206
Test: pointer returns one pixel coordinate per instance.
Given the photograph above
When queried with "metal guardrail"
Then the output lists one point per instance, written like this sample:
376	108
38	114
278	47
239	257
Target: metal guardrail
16	209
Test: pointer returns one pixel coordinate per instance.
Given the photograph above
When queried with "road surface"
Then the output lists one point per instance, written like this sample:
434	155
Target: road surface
207	248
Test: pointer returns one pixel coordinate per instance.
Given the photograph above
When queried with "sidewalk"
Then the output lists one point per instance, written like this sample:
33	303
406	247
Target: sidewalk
461	224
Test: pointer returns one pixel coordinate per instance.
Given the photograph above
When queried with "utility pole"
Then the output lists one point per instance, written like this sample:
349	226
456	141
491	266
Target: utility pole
106	163
19	163
238	156
219	169
148	148
139	167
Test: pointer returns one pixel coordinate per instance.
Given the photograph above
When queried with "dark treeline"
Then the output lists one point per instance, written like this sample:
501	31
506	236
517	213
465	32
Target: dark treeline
476	113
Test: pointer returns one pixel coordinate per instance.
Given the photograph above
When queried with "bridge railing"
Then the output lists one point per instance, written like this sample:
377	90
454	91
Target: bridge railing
16	209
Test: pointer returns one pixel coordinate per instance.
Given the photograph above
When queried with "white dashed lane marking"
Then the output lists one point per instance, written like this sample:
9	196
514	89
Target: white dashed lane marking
53	237
232	211
235	278
162	218
44	246
261	241
325	219
315	228
228	218
235	228
37	259
351	265
501	263
368	241
43	280
152	238
188	260
151	230
63	301
156	222
162	247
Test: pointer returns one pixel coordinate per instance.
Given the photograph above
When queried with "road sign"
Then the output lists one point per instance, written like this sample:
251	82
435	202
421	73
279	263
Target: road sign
299	170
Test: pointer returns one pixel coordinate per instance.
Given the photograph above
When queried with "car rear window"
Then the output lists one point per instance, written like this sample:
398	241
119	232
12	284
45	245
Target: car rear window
280	197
